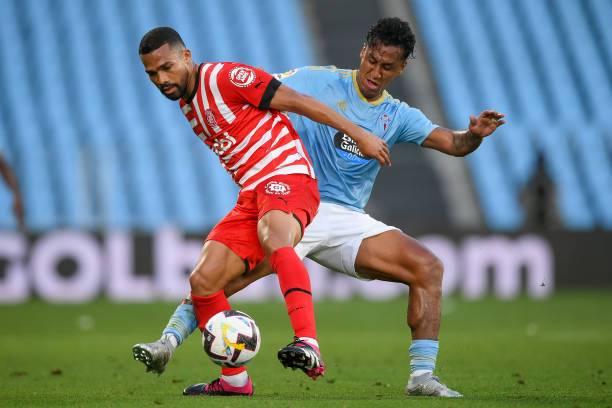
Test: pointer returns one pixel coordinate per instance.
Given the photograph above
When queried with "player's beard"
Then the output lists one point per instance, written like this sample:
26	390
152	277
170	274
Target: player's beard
180	91
180	88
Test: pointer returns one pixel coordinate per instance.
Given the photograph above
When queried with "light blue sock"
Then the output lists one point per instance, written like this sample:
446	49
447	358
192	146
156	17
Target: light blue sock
423	354
182	322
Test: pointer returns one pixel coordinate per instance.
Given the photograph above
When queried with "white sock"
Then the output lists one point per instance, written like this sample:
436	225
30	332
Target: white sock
171	339
236	380
416	373
311	341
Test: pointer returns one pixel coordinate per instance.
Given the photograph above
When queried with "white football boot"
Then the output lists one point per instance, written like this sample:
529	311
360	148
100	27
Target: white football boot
154	355
428	384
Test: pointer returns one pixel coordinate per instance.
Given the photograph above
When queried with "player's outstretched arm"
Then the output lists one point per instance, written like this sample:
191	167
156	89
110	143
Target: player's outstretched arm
11	181
287	99
462	142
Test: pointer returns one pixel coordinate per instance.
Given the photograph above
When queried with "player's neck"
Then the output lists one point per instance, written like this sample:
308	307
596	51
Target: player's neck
191	82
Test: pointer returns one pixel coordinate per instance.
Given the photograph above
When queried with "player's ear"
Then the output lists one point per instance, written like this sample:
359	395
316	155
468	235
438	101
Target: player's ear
187	56
403	66
363	51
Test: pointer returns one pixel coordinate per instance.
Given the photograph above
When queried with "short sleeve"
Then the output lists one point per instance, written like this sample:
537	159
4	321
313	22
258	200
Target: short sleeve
240	83
415	127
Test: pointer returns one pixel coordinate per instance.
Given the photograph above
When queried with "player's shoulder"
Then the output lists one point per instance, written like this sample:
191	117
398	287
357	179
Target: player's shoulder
400	106
235	74
391	100
329	72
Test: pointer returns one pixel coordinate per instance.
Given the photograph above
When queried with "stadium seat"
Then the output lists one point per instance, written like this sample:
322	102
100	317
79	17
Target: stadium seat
500	55
106	189
31	160
589	70
7	220
112	153
66	170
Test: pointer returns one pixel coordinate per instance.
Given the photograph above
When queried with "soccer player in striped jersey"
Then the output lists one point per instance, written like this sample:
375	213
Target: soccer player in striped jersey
235	110
342	236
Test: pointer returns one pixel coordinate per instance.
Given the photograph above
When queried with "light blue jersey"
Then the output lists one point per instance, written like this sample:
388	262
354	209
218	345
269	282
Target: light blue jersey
344	175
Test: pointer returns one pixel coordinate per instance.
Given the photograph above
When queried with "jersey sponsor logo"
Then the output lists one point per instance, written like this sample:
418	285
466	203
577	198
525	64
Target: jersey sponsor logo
223	144
284	75
277	188
386	120
210	118
242	76
342	105
348	149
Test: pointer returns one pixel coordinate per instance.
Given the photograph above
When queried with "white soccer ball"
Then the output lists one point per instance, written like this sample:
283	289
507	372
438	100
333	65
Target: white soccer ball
231	338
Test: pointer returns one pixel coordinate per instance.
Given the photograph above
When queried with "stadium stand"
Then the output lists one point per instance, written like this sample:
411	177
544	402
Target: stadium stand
547	65
91	140
96	147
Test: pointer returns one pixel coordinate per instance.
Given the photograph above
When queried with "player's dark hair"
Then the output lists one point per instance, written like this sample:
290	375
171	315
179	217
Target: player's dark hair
158	37
392	31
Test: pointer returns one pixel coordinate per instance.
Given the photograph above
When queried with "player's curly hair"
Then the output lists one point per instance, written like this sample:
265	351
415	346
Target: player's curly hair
392	31
158	37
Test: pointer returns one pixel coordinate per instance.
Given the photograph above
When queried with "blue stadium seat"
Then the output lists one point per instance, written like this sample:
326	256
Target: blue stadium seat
22	124
595	169
138	157
589	68
452	78
199	188
54	110
575	210
547	52
105	179
600	11
542	64
520	79
468	88
7	220
95	145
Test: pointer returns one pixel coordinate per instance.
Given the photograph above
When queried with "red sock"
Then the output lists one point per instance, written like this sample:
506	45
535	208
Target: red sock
295	286
232	371
206	307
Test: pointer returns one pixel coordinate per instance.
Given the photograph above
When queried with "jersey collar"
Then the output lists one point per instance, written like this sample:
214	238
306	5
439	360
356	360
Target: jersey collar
378	101
195	87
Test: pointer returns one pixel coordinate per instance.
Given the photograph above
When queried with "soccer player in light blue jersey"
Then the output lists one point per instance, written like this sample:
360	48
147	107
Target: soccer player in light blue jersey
342	236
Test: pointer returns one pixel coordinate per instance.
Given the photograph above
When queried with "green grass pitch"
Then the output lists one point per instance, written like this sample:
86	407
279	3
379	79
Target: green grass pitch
519	353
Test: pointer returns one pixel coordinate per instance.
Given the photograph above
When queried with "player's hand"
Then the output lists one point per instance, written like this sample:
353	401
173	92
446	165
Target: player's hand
486	123
374	147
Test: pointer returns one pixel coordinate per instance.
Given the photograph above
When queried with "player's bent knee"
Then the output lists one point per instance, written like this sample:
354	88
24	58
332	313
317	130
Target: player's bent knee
202	284
430	272
270	245
273	242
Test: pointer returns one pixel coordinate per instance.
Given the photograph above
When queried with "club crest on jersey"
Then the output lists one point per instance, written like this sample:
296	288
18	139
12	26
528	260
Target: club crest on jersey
386	120
210	118
277	188
242	76
348	149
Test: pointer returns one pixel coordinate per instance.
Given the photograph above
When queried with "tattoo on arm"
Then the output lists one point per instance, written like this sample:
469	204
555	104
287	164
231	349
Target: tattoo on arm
465	141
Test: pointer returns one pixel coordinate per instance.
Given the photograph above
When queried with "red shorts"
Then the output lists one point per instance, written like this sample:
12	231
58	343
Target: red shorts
295	194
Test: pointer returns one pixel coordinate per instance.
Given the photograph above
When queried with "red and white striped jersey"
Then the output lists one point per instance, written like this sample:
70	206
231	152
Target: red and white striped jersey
230	112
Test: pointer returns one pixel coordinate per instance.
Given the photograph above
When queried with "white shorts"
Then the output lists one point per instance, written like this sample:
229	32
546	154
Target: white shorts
334	236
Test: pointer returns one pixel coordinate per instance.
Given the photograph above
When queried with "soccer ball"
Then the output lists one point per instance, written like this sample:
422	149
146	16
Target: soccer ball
231	338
